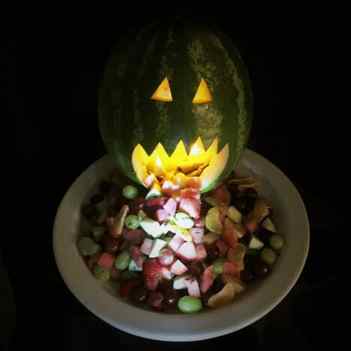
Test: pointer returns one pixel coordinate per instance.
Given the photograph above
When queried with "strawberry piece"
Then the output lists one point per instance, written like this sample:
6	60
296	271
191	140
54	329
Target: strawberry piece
229	233
187	251
155	202
194	183
166	257
106	260
161	215
134	235
178	268
190	193
221	195
127	286
170	206
201	252
197	234
166	273
199	223
137	256
190	206
231	268
222	247
155	300
207	279
152	273
146	246
176	242
193	287
169	188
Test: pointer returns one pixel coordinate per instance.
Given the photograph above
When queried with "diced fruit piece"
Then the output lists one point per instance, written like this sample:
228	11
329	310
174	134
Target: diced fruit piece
221	195
207	279
132	221
231	268
110	244
128	286
101	273
152	271
137	256
122	260
151	227
212	220
170	206
178	268
190	193
146	246
176	242
98	232
161	215
197	234
106	260
259	212
133	267
155	191
118	224
276	241
201	252
199	223
229	233
183	220
155	300
169	188
156	248
189	304
187	251
234	214
193	287
190	206
268	256
223	297
255	243
166	273
182	232
134	235
236	282
269	225
155	202
139	295
130	192
179	282
218	265
237	255
222	247
166	257
210	238
87	246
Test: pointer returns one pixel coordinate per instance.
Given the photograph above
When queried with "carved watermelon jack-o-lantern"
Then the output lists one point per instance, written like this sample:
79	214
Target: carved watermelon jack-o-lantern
175	104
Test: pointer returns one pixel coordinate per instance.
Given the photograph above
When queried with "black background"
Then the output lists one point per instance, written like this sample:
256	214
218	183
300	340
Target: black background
54	61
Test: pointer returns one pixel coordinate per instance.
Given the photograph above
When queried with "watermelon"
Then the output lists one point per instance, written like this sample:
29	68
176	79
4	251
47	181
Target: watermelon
176	95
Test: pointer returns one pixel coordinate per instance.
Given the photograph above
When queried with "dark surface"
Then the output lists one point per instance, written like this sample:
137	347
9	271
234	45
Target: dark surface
54	66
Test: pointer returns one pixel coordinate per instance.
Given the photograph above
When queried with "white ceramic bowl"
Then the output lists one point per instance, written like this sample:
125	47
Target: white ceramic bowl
290	218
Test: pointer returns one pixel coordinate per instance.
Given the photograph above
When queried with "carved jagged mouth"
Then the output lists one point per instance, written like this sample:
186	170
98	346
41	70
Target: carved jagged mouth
199	164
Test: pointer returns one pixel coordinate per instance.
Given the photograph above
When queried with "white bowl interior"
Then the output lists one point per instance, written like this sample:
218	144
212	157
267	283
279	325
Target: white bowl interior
291	221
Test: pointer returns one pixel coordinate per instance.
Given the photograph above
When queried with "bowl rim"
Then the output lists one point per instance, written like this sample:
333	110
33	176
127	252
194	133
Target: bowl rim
98	301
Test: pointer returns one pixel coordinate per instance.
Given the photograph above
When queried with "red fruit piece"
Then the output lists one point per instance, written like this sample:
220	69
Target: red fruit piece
222	247
166	257
201	252
170	206
168	188
127	286
207	279
106	260
197	234
178	268
155	202
166	273
161	215
134	235
231	268
221	195
229	233
137	256
199	223
190	206
176	242
194	183
187	251
152	271
146	246
190	193
193	287
155	300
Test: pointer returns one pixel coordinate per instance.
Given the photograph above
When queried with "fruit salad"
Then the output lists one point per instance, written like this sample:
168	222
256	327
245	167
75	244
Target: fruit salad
180	250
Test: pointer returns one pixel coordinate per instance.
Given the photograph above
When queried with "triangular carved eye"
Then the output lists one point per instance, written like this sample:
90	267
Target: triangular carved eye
163	92
203	94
